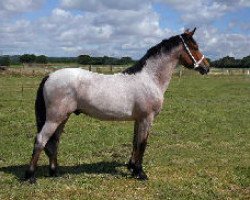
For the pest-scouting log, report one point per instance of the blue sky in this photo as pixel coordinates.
(121, 28)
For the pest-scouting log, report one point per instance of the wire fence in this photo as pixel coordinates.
(21, 91)
(38, 70)
(42, 71)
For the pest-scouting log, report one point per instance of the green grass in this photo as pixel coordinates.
(199, 146)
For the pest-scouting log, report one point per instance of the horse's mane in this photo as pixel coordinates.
(164, 46)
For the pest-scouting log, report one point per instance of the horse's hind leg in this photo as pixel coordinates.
(141, 132)
(41, 140)
(51, 149)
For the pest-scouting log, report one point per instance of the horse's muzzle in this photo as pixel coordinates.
(202, 69)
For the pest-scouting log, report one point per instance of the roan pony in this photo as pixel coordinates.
(136, 94)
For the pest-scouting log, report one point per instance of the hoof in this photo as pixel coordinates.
(30, 176)
(137, 171)
(140, 175)
(32, 180)
(53, 172)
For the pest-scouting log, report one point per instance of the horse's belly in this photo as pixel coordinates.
(108, 114)
(106, 111)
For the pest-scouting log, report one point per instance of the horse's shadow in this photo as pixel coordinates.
(111, 168)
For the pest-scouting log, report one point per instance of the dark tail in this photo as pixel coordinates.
(40, 108)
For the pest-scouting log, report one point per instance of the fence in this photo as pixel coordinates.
(19, 93)
(230, 71)
(37, 71)
(111, 69)
(22, 91)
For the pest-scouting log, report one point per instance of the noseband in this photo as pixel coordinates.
(196, 63)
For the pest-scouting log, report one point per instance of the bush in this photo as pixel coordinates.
(5, 61)
(42, 59)
(27, 58)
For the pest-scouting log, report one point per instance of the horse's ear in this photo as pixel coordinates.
(192, 32)
(187, 31)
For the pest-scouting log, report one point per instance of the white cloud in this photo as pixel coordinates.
(203, 12)
(97, 5)
(244, 3)
(115, 28)
(108, 32)
(20, 5)
(216, 44)
(9, 8)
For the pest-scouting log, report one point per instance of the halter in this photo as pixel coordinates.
(196, 63)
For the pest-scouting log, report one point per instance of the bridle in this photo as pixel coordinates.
(196, 63)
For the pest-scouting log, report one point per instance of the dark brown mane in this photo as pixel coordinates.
(164, 46)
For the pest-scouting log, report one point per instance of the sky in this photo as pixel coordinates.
(122, 28)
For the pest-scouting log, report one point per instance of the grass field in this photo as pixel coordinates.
(199, 146)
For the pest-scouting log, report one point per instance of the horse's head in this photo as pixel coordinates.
(191, 57)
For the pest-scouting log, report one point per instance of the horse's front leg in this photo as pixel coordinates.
(141, 131)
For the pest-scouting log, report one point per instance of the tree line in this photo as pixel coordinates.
(225, 62)
(25, 58)
(231, 62)
(82, 59)
(105, 60)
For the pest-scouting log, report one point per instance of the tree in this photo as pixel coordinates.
(96, 60)
(5, 61)
(107, 60)
(245, 62)
(42, 59)
(227, 62)
(27, 58)
(62, 59)
(84, 59)
(125, 61)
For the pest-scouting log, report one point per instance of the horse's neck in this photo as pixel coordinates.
(160, 68)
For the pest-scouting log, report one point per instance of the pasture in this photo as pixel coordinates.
(199, 146)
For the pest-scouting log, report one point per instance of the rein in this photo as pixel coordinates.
(196, 63)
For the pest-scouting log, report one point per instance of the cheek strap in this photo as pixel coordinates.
(196, 63)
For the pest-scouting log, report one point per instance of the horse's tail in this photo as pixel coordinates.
(40, 108)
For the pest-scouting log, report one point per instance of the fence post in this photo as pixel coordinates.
(90, 67)
(22, 97)
(180, 73)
